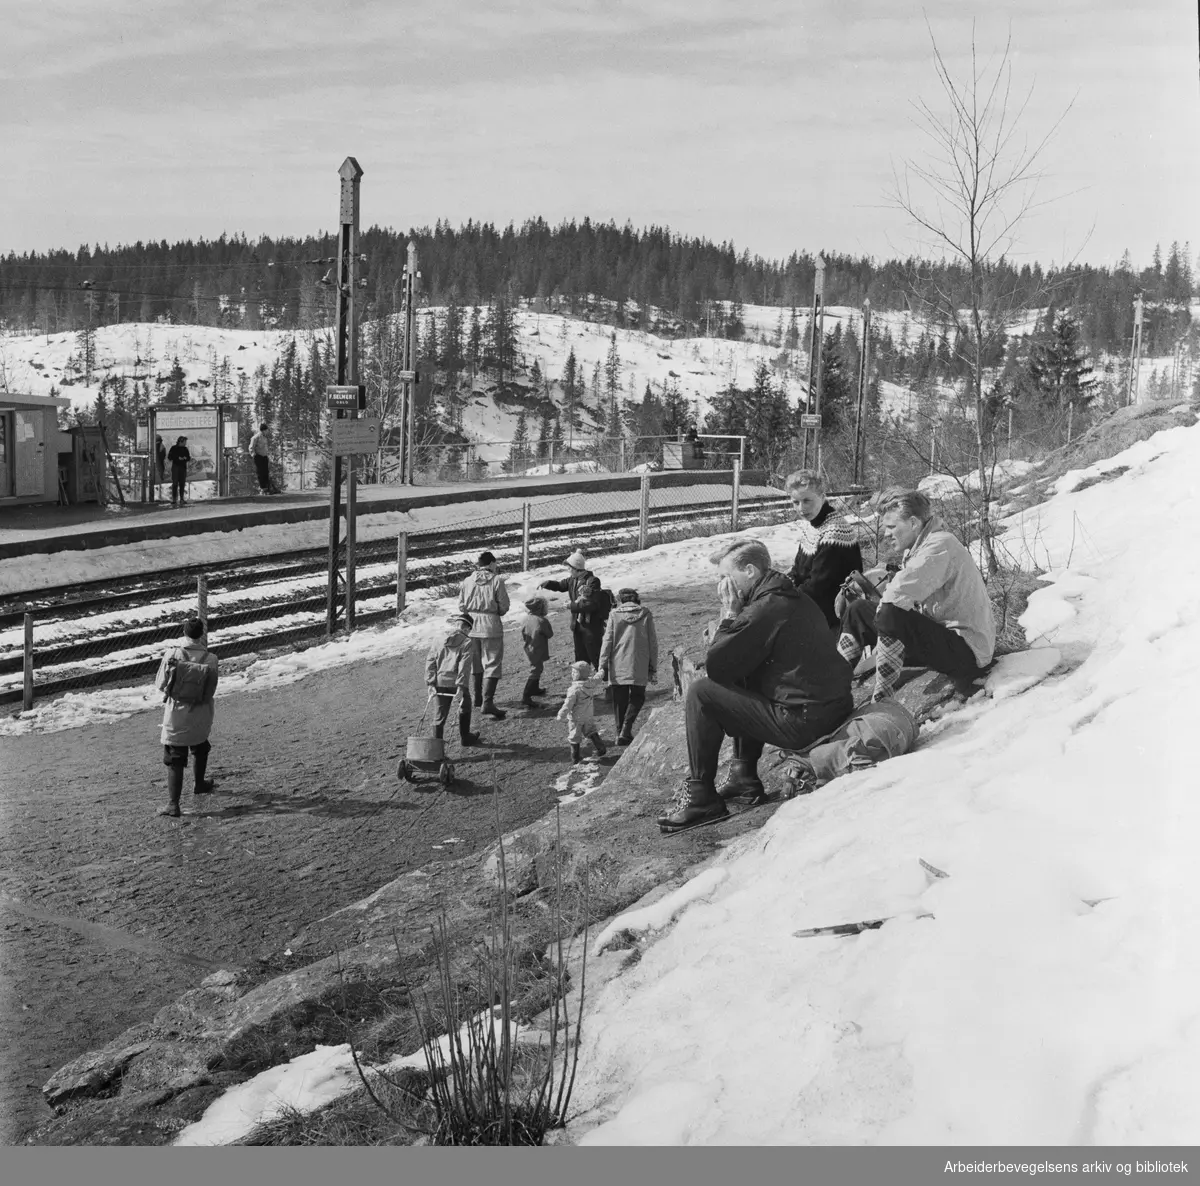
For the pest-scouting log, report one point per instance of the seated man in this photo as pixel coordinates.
(773, 677)
(935, 612)
(828, 551)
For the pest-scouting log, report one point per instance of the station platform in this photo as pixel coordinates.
(39, 530)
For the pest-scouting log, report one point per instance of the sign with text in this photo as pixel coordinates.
(810, 420)
(351, 397)
(199, 425)
(354, 436)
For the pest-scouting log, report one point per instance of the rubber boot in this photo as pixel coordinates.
(531, 690)
(478, 680)
(576, 753)
(742, 781)
(538, 690)
(625, 737)
(439, 730)
(204, 786)
(464, 724)
(489, 700)
(174, 790)
(599, 746)
(698, 803)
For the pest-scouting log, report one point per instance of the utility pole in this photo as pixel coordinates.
(864, 365)
(1135, 353)
(408, 373)
(810, 420)
(346, 337)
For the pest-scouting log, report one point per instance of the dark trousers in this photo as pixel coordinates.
(926, 643)
(178, 483)
(627, 697)
(262, 466)
(445, 697)
(713, 711)
(177, 755)
(587, 646)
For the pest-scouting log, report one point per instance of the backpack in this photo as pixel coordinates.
(184, 679)
(605, 602)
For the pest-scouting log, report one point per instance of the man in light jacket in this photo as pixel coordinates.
(629, 659)
(484, 596)
(260, 449)
(188, 711)
(935, 612)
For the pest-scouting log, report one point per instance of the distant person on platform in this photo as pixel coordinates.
(260, 448)
(935, 612)
(828, 551)
(160, 461)
(773, 677)
(187, 678)
(587, 603)
(179, 458)
(484, 596)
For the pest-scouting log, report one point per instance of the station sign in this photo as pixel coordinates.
(346, 397)
(354, 436)
(810, 419)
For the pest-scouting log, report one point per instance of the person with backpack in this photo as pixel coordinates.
(589, 603)
(187, 678)
(629, 659)
(484, 596)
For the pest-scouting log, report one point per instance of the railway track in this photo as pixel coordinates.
(105, 632)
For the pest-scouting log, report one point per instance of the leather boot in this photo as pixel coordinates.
(489, 700)
(742, 781)
(696, 803)
(204, 786)
(477, 679)
(174, 790)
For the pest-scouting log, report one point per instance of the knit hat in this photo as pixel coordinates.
(536, 605)
(486, 558)
(581, 670)
(464, 620)
(629, 595)
(576, 560)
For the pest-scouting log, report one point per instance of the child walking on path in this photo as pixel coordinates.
(448, 669)
(536, 633)
(578, 712)
(187, 678)
(629, 659)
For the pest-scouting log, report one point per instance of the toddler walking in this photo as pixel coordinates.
(536, 633)
(578, 712)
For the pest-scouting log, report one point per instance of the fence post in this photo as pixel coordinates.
(622, 455)
(525, 517)
(401, 571)
(644, 514)
(551, 466)
(737, 492)
(27, 699)
(202, 599)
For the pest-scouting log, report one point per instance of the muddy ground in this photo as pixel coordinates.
(108, 912)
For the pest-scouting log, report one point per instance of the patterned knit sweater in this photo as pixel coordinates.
(827, 555)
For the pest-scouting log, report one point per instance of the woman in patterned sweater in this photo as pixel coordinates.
(828, 551)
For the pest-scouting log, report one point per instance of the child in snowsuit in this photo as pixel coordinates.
(536, 633)
(629, 659)
(578, 712)
(448, 669)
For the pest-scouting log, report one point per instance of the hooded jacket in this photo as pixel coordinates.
(452, 664)
(578, 710)
(484, 596)
(536, 633)
(781, 647)
(939, 578)
(189, 724)
(630, 647)
(827, 555)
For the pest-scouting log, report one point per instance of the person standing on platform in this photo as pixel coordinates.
(484, 596)
(179, 456)
(260, 451)
(160, 463)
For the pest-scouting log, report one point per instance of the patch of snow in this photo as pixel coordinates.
(659, 914)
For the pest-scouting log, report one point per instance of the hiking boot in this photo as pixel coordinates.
(742, 781)
(696, 802)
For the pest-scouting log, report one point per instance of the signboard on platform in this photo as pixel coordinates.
(354, 436)
(199, 425)
(350, 397)
(810, 419)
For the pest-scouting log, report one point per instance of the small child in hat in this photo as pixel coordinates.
(536, 633)
(448, 670)
(578, 712)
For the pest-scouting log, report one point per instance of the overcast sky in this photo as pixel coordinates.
(772, 123)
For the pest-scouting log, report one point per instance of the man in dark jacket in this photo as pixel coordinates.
(179, 455)
(828, 551)
(773, 676)
(588, 613)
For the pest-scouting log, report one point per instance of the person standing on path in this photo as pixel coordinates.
(577, 710)
(587, 615)
(179, 456)
(448, 671)
(187, 678)
(629, 659)
(260, 451)
(536, 633)
(484, 596)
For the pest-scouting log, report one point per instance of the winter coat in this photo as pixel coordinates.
(189, 724)
(452, 664)
(536, 633)
(179, 456)
(484, 596)
(827, 555)
(578, 710)
(780, 646)
(630, 648)
(584, 593)
(939, 578)
(872, 734)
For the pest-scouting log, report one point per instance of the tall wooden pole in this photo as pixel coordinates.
(1135, 353)
(864, 368)
(816, 345)
(408, 373)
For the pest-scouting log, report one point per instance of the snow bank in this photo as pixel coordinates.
(657, 915)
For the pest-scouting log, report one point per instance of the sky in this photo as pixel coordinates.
(776, 125)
